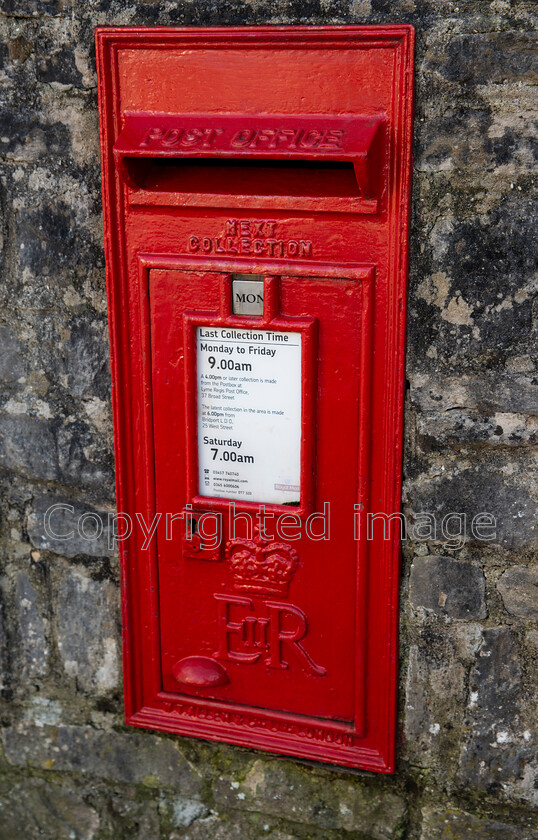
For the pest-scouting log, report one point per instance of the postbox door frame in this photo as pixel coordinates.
(147, 705)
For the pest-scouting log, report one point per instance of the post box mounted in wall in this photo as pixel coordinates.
(256, 189)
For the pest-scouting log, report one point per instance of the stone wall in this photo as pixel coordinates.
(467, 747)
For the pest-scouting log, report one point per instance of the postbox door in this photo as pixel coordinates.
(277, 614)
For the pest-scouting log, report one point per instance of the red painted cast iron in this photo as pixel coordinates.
(282, 153)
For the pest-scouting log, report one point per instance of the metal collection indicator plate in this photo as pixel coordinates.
(247, 294)
(249, 414)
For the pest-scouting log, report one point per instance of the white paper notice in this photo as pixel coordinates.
(249, 414)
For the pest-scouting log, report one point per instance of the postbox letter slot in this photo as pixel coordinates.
(322, 157)
(245, 177)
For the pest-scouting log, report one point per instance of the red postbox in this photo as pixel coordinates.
(256, 187)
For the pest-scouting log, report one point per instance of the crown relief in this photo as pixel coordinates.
(260, 565)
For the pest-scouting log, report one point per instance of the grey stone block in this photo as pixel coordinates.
(71, 521)
(32, 629)
(453, 824)
(509, 142)
(84, 459)
(219, 829)
(486, 392)
(28, 446)
(48, 241)
(448, 587)
(519, 590)
(474, 491)
(285, 790)
(499, 750)
(31, 134)
(182, 812)
(131, 758)
(59, 66)
(12, 366)
(85, 359)
(495, 56)
(88, 631)
(465, 428)
(3, 647)
(435, 695)
(136, 820)
(37, 810)
(477, 261)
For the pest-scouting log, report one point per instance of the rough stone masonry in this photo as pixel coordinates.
(469, 640)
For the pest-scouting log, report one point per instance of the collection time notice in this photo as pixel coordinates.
(249, 414)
